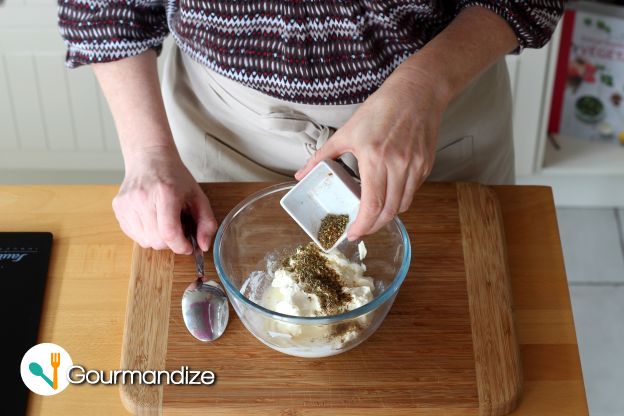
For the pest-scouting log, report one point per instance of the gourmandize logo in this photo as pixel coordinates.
(55, 361)
(47, 369)
(44, 369)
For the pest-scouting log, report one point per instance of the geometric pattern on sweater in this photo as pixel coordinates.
(311, 52)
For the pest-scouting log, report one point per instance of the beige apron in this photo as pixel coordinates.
(225, 131)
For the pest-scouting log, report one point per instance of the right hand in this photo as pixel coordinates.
(156, 189)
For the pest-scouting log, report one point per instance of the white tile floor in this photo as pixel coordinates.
(591, 242)
(593, 247)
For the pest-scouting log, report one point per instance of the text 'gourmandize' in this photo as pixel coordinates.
(78, 375)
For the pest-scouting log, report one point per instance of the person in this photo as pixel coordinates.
(262, 90)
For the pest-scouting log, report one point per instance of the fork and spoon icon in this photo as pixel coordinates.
(55, 361)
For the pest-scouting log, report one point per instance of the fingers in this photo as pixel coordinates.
(152, 218)
(418, 172)
(136, 214)
(413, 182)
(128, 221)
(332, 148)
(374, 177)
(386, 192)
(168, 223)
(206, 223)
(130, 229)
(132, 226)
(397, 177)
(150, 227)
(126, 228)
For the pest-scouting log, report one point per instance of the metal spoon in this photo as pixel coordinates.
(204, 303)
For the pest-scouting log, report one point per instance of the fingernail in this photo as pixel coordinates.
(206, 243)
(352, 237)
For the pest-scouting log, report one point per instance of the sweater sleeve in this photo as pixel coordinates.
(109, 30)
(533, 21)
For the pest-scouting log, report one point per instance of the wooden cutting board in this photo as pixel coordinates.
(447, 347)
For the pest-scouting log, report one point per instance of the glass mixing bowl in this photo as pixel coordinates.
(257, 233)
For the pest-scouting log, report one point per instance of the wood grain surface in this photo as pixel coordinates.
(497, 360)
(88, 286)
(146, 330)
(453, 309)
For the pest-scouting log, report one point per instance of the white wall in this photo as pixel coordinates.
(51, 119)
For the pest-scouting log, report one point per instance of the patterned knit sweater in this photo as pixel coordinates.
(305, 51)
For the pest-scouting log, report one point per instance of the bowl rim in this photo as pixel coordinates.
(307, 320)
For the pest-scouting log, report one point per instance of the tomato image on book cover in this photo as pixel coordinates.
(589, 82)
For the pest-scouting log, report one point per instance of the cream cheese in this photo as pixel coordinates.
(285, 295)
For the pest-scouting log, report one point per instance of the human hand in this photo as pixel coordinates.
(156, 189)
(393, 135)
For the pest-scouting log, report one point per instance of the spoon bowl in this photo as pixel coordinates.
(36, 369)
(205, 310)
(205, 307)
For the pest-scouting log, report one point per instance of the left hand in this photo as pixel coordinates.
(393, 135)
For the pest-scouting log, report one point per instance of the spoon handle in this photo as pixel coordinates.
(190, 230)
